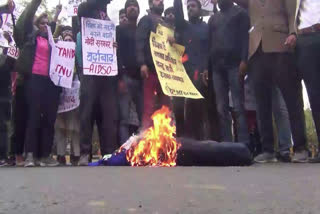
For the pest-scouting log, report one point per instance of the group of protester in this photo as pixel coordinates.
(247, 61)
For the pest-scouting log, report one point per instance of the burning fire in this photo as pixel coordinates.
(158, 146)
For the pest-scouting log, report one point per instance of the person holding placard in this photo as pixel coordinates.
(154, 98)
(193, 34)
(98, 91)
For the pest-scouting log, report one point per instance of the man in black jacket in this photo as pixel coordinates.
(193, 34)
(130, 83)
(98, 96)
(228, 41)
(153, 95)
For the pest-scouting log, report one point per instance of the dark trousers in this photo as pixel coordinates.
(4, 119)
(19, 118)
(198, 121)
(135, 95)
(308, 53)
(178, 110)
(266, 71)
(42, 100)
(98, 98)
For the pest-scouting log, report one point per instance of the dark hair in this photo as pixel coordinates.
(39, 18)
(169, 10)
(122, 11)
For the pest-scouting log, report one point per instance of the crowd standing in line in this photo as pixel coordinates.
(247, 61)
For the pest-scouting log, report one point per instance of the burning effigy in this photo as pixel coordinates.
(157, 146)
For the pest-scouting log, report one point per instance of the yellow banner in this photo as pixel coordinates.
(171, 73)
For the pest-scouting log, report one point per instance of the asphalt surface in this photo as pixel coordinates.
(260, 189)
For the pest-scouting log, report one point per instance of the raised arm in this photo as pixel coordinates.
(179, 16)
(24, 25)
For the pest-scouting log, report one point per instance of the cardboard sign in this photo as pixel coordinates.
(7, 18)
(171, 73)
(62, 62)
(99, 55)
(13, 51)
(69, 98)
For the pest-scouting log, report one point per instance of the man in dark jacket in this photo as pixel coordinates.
(130, 83)
(153, 95)
(5, 96)
(97, 94)
(193, 34)
(228, 41)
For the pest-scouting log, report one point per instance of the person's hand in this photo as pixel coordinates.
(122, 87)
(11, 6)
(291, 41)
(58, 9)
(243, 67)
(205, 77)
(171, 40)
(7, 36)
(214, 1)
(144, 70)
(115, 45)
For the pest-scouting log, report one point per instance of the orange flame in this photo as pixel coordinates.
(158, 146)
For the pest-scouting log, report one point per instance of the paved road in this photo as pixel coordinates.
(267, 189)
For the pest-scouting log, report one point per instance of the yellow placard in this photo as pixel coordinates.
(171, 73)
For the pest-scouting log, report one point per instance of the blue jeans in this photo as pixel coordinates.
(226, 79)
(281, 117)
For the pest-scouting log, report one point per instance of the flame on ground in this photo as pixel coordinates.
(157, 145)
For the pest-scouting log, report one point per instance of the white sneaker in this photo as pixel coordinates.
(301, 157)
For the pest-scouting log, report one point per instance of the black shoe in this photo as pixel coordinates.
(48, 162)
(74, 160)
(62, 160)
(11, 161)
(284, 156)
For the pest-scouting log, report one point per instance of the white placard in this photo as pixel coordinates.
(3, 41)
(62, 62)
(13, 51)
(99, 55)
(73, 7)
(7, 18)
(69, 98)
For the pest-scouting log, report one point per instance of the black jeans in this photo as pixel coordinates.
(98, 98)
(19, 118)
(4, 119)
(308, 54)
(42, 100)
(266, 71)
